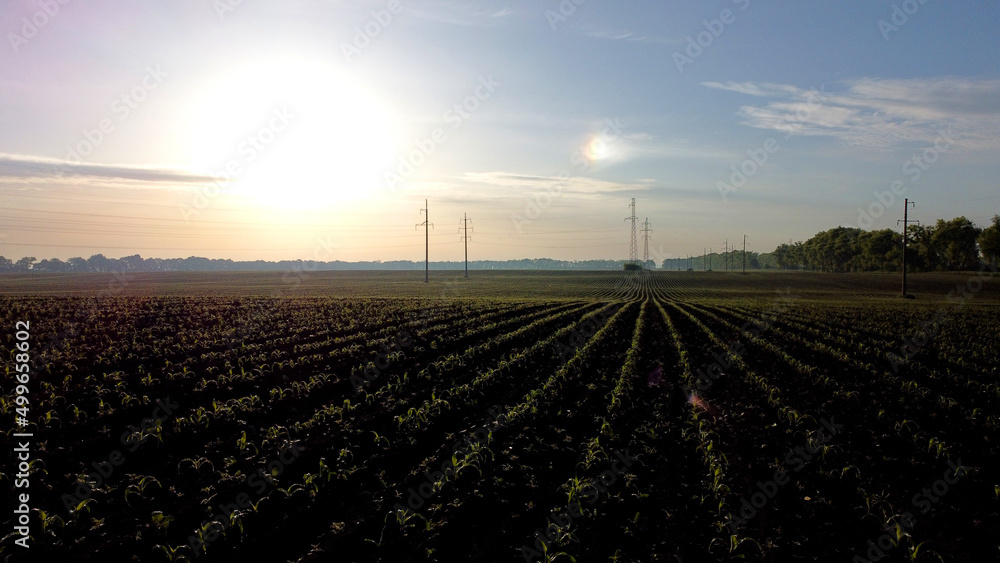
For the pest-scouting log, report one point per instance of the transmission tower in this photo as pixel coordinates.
(427, 242)
(633, 251)
(465, 237)
(645, 243)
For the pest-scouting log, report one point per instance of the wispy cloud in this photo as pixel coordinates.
(881, 113)
(763, 89)
(453, 12)
(620, 35)
(576, 185)
(23, 167)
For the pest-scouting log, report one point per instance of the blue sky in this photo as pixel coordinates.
(311, 129)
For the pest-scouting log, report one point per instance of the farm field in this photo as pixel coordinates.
(510, 416)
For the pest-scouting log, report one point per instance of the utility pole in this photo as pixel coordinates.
(906, 208)
(744, 254)
(645, 243)
(633, 251)
(465, 237)
(427, 242)
(710, 251)
(725, 257)
(704, 258)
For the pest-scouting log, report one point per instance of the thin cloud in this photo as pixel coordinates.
(881, 113)
(578, 185)
(629, 37)
(23, 167)
(610, 34)
(763, 89)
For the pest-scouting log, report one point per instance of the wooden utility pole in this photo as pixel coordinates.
(744, 254)
(465, 237)
(427, 242)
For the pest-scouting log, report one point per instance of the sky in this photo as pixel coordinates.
(253, 129)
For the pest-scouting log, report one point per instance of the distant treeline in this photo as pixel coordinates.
(957, 244)
(719, 261)
(136, 263)
(952, 245)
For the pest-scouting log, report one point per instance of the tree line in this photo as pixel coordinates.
(136, 263)
(957, 244)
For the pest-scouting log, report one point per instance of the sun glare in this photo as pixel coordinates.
(293, 135)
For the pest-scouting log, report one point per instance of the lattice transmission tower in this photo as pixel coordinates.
(633, 251)
(645, 243)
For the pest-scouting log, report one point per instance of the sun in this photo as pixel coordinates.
(294, 134)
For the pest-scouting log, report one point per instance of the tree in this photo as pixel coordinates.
(76, 264)
(881, 250)
(50, 265)
(24, 264)
(782, 256)
(922, 253)
(99, 263)
(132, 263)
(956, 242)
(989, 242)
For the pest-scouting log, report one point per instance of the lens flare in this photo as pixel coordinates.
(702, 404)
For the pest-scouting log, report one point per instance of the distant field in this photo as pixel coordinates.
(510, 416)
(491, 284)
